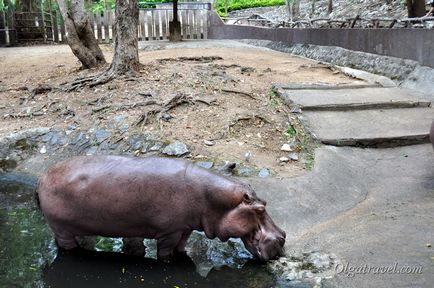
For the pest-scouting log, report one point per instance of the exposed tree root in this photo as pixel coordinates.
(100, 79)
(168, 105)
(248, 94)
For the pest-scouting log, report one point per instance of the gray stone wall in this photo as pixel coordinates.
(413, 44)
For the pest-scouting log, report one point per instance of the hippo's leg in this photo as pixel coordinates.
(65, 241)
(167, 245)
(180, 248)
(86, 242)
(133, 246)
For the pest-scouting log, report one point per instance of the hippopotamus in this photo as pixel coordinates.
(156, 198)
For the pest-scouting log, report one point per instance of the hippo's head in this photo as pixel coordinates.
(250, 221)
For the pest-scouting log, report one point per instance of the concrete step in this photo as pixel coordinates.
(342, 99)
(371, 128)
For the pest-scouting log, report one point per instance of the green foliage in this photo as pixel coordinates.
(98, 5)
(108, 244)
(25, 243)
(244, 4)
(291, 131)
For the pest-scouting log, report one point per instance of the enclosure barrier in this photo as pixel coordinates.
(47, 26)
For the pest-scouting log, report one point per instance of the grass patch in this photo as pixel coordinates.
(234, 5)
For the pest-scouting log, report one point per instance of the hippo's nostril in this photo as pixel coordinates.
(281, 241)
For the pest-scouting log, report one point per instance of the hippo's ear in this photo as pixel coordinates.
(259, 209)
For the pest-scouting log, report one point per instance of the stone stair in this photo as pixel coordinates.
(367, 116)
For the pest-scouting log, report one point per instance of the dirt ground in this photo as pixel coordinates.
(229, 111)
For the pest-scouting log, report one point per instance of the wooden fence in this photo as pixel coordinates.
(153, 24)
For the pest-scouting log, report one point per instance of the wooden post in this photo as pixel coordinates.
(62, 30)
(11, 25)
(2, 29)
(44, 31)
(157, 24)
(55, 27)
(142, 25)
(98, 26)
(149, 22)
(106, 26)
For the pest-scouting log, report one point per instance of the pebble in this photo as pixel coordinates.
(248, 156)
(166, 117)
(176, 149)
(284, 159)
(286, 147)
(124, 128)
(245, 171)
(156, 147)
(293, 156)
(91, 151)
(119, 119)
(46, 137)
(208, 142)
(102, 135)
(43, 150)
(205, 164)
(263, 173)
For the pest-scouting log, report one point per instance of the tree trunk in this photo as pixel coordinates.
(416, 8)
(295, 9)
(330, 6)
(312, 8)
(126, 58)
(79, 34)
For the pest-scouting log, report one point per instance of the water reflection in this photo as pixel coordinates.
(107, 269)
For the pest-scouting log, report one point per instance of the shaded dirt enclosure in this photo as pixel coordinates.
(222, 105)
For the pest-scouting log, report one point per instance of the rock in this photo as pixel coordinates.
(166, 117)
(247, 70)
(208, 142)
(205, 164)
(101, 135)
(263, 173)
(124, 128)
(156, 147)
(320, 261)
(54, 139)
(248, 156)
(176, 149)
(293, 156)
(46, 137)
(145, 147)
(119, 119)
(91, 151)
(62, 141)
(43, 150)
(135, 142)
(77, 138)
(70, 129)
(286, 147)
(245, 171)
(284, 159)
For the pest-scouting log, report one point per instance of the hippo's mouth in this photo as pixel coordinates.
(251, 242)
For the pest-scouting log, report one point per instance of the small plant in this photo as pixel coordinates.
(291, 132)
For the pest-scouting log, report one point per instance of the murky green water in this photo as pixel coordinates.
(29, 258)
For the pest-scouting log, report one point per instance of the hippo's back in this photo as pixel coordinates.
(113, 191)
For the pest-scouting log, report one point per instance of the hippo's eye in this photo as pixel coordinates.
(247, 198)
